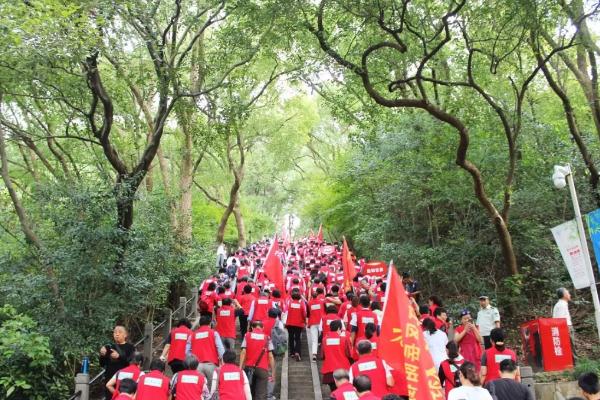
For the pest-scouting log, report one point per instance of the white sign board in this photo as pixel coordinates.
(567, 238)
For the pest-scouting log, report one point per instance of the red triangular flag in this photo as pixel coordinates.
(402, 344)
(320, 234)
(273, 268)
(348, 267)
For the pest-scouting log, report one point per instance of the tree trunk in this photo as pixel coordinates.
(185, 185)
(25, 224)
(239, 222)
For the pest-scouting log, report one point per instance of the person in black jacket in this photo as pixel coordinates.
(115, 356)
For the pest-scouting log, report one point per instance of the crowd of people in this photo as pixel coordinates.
(246, 321)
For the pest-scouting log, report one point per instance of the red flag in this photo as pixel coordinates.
(320, 234)
(348, 264)
(402, 344)
(273, 268)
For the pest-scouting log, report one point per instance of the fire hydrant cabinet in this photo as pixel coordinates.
(547, 344)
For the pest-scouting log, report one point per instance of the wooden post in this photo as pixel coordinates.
(527, 379)
(168, 321)
(194, 303)
(182, 314)
(82, 384)
(148, 341)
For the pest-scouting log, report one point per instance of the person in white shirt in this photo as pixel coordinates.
(437, 341)
(488, 318)
(221, 255)
(471, 385)
(561, 310)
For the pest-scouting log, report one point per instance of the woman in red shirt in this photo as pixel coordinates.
(469, 339)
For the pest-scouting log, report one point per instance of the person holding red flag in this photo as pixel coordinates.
(402, 344)
(273, 267)
(378, 371)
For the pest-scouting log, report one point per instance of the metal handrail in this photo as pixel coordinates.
(139, 342)
(75, 395)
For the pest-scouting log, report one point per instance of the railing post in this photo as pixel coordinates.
(148, 341)
(168, 322)
(82, 384)
(182, 314)
(195, 303)
(527, 379)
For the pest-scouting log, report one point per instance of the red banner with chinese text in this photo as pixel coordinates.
(375, 268)
(402, 344)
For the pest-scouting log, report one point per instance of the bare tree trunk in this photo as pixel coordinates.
(239, 222)
(185, 186)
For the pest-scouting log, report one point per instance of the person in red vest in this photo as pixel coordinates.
(316, 308)
(131, 372)
(153, 385)
(371, 336)
(492, 357)
(448, 372)
(336, 353)
(245, 299)
(229, 381)
(328, 318)
(361, 318)
(375, 368)
(128, 389)
(208, 300)
(362, 383)
(257, 354)
(260, 308)
(349, 309)
(344, 389)
(295, 323)
(272, 321)
(189, 384)
(207, 347)
(177, 345)
(225, 318)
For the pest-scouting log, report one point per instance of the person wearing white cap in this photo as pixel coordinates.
(488, 318)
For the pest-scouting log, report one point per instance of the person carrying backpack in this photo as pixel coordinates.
(449, 369)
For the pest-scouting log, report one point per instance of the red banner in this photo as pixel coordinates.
(375, 268)
(402, 344)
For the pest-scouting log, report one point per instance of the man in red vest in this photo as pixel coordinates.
(336, 352)
(316, 309)
(257, 353)
(345, 390)
(207, 347)
(375, 368)
(131, 372)
(177, 345)
(328, 319)
(229, 381)
(189, 384)
(226, 323)
(260, 308)
(362, 383)
(361, 318)
(153, 385)
(128, 388)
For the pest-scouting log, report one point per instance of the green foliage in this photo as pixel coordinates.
(28, 369)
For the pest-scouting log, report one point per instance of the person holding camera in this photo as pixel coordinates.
(115, 356)
(469, 339)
